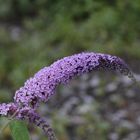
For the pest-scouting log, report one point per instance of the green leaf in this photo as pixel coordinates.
(19, 130)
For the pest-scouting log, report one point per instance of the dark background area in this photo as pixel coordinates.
(95, 106)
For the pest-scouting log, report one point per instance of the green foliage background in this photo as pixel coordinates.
(34, 33)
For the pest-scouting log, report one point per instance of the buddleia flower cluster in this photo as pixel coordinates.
(42, 85)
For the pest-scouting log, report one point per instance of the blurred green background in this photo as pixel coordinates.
(96, 106)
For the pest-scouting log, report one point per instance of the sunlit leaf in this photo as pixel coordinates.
(19, 130)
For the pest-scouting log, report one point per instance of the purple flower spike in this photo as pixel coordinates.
(7, 109)
(42, 85)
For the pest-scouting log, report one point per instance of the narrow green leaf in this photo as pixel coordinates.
(19, 130)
